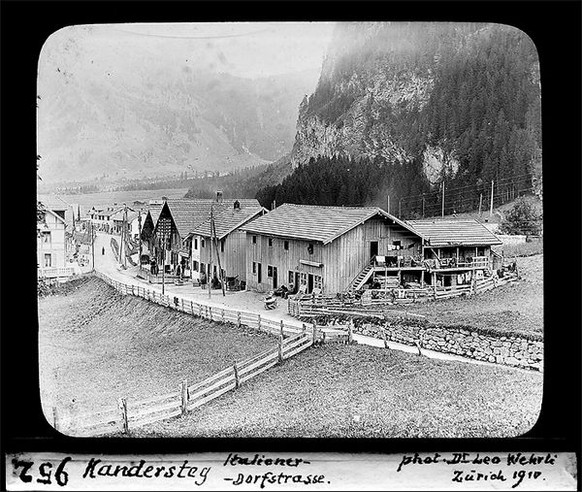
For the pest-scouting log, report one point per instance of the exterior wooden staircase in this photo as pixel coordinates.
(362, 277)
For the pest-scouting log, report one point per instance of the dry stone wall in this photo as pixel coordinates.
(510, 350)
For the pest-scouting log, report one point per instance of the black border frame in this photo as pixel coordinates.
(554, 26)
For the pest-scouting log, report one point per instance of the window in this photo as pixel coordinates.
(254, 267)
(291, 276)
(46, 237)
(269, 271)
(303, 279)
(196, 243)
(48, 260)
(317, 282)
(310, 249)
(202, 243)
(286, 245)
(270, 242)
(254, 239)
(397, 244)
(222, 246)
(195, 266)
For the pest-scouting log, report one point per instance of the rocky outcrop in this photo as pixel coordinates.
(426, 92)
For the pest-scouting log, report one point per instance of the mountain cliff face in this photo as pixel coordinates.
(462, 98)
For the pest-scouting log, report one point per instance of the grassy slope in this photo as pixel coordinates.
(395, 394)
(517, 306)
(96, 346)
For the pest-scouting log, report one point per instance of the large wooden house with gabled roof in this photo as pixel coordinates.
(321, 248)
(336, 249)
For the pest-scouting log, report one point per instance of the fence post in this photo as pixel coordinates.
(132, 290)
(183, 304)
(209, 313)
(384, 337)
(259, 321)
(223, 315)
(314, 334)
(123, 410)
(184, 394)
(191, 308)
(236, 378)
(282, 329)
(238, 318)
(200, 310)
(280, 348)
(351, 331)
(304, 327)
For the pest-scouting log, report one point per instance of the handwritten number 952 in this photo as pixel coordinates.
(45, 471)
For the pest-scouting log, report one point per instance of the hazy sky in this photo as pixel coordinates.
(248, 49)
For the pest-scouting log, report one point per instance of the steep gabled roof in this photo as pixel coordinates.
(189, 213)
(455, 232)
(154, 211)
(315, 223)
(227, 220)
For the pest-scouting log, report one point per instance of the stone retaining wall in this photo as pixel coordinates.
(510, 350)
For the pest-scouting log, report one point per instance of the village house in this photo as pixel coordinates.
(337, 249)
(177, 219)
(230, 245)
(318, 248)
(119, 218)
(101, 219)
(149, 221)
(51, 251)
(456, 250)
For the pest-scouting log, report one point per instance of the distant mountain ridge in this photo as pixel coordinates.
(110, 112)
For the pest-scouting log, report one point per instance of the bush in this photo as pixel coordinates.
(521, 219)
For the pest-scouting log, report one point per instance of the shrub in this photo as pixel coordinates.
(521, 219)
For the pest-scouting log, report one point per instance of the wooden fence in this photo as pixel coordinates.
(213, 313)
(379, 300)
(134, 414)
(131, 415)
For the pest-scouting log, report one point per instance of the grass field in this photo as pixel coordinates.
(361, 391)
(96, 346)
(515, 307)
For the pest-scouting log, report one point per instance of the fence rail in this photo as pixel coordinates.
(379, 300)
(134, 414)
(55, 272)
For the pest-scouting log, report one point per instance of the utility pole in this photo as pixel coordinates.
(491, 203)
(210, 262)
(480, 203)
(163, 248)
(213, 231)
(443, 201)
(400, 208)
(139, 236)
(124, 235)
(388, 204)
(423, 205)
(92, 245)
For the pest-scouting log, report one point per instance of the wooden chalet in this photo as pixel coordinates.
(337, 249)
(147, 229)
(230, 241)
(322, 249)
(456, 250)
(176, 221)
